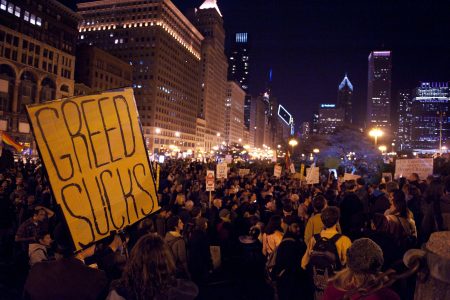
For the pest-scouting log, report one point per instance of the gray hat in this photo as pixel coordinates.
(224, 213)
(364, 256)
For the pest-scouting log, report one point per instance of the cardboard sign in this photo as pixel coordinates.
(421, 166)
(222, 170)
(209, 181)
(302, 171)
(97, 164)
(349, 176)
(277, 171)
(312, 175)
(243, 172)
(292, 168)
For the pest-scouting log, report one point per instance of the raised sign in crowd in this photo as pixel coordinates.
(101, 222)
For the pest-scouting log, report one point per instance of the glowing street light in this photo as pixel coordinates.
(316, 151)
(157, 130)
(293, 143)
(177, 134)
(382, 148)
(218, 134)
(375, 133)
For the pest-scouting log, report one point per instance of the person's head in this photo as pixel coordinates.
(319, 202)
(39, 214)
(224, 214)
(287, 209)
(413, 177)
(189, 205)
(174, 223)
(360, 182)
(330, 216)
(44, 239)
(274, 225)
(30, 199)
(180, 199)
(382, 187)
(201, 224)
(292, 226)
(391, 186)
(217, 203)
(399, 201)
(196, 212)
(147, 225)
(254, 232)
(364, 262)
(149, 269)
(350, 185)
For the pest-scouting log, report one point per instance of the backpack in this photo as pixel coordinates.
(271, 273)
(324, 260)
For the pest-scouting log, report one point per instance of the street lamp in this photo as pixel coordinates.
(382, 148)
(316, 150)
(375, 133)
(293, 143)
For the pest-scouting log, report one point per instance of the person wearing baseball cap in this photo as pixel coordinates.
(364, 262)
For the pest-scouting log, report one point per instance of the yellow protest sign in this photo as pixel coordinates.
(97, 164)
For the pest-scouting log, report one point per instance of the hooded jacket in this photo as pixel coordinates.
(37, 253)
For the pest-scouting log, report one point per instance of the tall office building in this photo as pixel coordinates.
(164, 49)
(305, 130)
(403, 139)
(315, 123)
(208, 20)
(344, 100)
(234, 113)
(430, 116)
(379, 90)
(37, 59)
(239, 60)
(330, 118)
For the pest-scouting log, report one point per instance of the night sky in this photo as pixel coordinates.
(311, 44)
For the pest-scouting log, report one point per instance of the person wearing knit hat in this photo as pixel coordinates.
(364, 261)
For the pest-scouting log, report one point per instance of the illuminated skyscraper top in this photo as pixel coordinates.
(379, 90)
(210, 4)
(344, 100)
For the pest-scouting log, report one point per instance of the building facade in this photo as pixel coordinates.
(403, 140)
(330, 118)
(234, 114)
(208, 20)
(37, 59)
(379, 91)
(430, 117)
(315, 123)
(164, 49)
(239, 60)
(305, 130)
(344, 101)
(100, 70)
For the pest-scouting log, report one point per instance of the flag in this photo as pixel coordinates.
(8, 140)
(287, 160)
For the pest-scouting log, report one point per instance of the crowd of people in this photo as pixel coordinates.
(255, 236)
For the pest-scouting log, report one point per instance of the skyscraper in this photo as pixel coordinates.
(208, 20)
(239, 60)
(344, 100)
(164, 49)
(234, 113)
(404, 120)
(239, 68)
(379, 90)
(430, 116)
(330, 118)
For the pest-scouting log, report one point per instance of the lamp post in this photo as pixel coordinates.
(382, 148)
(375, 133)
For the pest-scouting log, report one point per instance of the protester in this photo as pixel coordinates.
(272, 236)
(150, 274)
(364, 261)
(177, 245)
(39, 251)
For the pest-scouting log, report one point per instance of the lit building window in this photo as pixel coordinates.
(10, 8)
(33, 19)
(17, 12)
(3, 5)
(38, 21)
